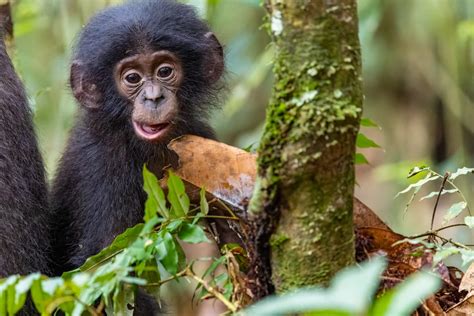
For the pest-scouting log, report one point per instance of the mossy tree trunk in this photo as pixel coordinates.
(302, 205)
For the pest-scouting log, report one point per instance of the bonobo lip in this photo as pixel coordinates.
(150, 132)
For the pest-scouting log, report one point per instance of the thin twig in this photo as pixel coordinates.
(216, 217)
(450, 226)
(227, 208)
(437, 199)
(451, 183)
(213, 291)
(171, 278)
(436, 235)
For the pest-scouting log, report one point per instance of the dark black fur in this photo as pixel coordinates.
(24, 235)
(97, 192)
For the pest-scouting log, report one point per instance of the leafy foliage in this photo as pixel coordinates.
(363, 141)
(352, 293)
(109, 280)
(149, 255)
(443, 247)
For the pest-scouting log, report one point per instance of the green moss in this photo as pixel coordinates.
(278, 240)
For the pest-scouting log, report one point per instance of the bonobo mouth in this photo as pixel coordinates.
(150, 132)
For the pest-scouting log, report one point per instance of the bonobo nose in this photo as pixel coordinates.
(153, 93)
(153, 104)
(152, 96)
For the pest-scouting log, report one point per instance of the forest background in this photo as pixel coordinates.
(418, 71)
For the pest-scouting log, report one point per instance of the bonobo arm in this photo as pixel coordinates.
(24, 218)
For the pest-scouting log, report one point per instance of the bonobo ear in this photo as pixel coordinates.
(215, 58)
(83, 89)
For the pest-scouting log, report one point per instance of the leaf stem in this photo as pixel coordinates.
(451, 183)
(213, 291)
(445, 178)
(449, 226)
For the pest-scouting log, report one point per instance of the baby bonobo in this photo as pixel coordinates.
(144, 73)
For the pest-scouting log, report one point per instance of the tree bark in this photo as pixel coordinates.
(302, 204)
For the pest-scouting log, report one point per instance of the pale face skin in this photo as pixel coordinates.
(150, 81)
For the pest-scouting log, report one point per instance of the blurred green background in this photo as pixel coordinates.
(418, 59)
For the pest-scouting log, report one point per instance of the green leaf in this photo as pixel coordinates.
(436, 193)
(250, 148)
(467, 256)
(214, 265)
(123, 297)
(137, 251)
(363, 141)
(150, 225)
(350, 292)
(78, 310)
(3, 297)
(407, 296)
(177, 196)
(360, 159)
(366, 122)
(197, 218)
(228, 289)
(51, 285)
(80, 279)
(10, 291)
(418, 184)
(216, 262)
(221, 279)
(469, 221)
(460, 172)
(443, 253)
(416, 241)
(22, 288)
(174, 225)
(169, 253)
(204, 206)
(152, 275)
(151, 209)
(156, 201)
(416, 170)
(454, 211)
(192, 234)
(121, 242)
(133, 280)
(328, 313)
(38, 295)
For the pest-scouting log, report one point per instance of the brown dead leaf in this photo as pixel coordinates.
(229, 173)
(467, 282)
(431, 307)
(225, 171)
(465, 307)
(401, 255)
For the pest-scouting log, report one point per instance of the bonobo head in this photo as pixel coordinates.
(147, 67)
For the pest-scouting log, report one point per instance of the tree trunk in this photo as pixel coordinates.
(302, 204)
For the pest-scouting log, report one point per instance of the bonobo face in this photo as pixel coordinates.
(141, 90)
(150, 81)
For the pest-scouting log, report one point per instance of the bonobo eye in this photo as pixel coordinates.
(133, 78)
(165, 72)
